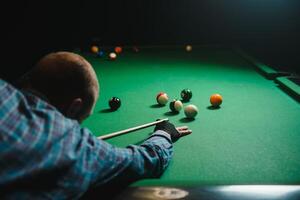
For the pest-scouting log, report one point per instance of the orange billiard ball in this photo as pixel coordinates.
(118, 50)
(94, 49)
(216, 100)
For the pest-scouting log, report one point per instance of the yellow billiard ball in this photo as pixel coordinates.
(216, 100)
(94, 49)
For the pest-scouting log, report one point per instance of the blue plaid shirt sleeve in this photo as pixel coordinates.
(45, 155)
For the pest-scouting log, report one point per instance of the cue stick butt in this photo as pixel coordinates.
(114, 134)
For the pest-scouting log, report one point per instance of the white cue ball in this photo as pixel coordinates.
(162, 98)
(112, 56)
(188, 48)
(190, 111)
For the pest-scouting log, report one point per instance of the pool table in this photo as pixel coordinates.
(252, 139)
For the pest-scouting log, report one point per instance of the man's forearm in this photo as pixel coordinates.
(154, 155)
(147, 160)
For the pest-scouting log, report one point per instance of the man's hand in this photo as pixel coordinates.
(174, 132)
(184, 130)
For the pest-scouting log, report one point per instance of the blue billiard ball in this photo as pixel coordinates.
(100, 54)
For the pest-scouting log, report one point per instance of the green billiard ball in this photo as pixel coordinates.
(186, 95)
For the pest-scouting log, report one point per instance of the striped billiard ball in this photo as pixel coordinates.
(175, 106)
(162, 98)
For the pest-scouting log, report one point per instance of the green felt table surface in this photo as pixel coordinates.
(254, 138)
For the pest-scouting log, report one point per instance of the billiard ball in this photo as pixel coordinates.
(162, 98)
(186, 95)
(114, 103)
(135, 49)
(188, 48)
(94, 49)
(175, 106)
(216, 100)
(112, 56)
(190, 111)
(118, 50)
(100, 54)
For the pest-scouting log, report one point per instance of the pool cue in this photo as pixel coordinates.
(114, 134)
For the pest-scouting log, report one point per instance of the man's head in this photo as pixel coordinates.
(69, 83)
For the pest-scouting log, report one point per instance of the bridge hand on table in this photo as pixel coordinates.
(184, 130)
(174, 132)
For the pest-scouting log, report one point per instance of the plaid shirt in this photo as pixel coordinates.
(44, 155)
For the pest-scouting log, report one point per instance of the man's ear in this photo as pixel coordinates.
(74, 108)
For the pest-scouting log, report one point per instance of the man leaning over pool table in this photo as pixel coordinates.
(45, 154)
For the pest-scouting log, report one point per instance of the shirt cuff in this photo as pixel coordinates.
(163, 134)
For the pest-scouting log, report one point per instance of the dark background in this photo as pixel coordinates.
(267, 29)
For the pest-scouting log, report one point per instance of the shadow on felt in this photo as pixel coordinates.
(213, 107)
(156, 106)
(186, 120)
(170, 113)
(106, 110)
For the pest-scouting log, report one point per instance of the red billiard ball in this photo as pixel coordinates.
(118, 50)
